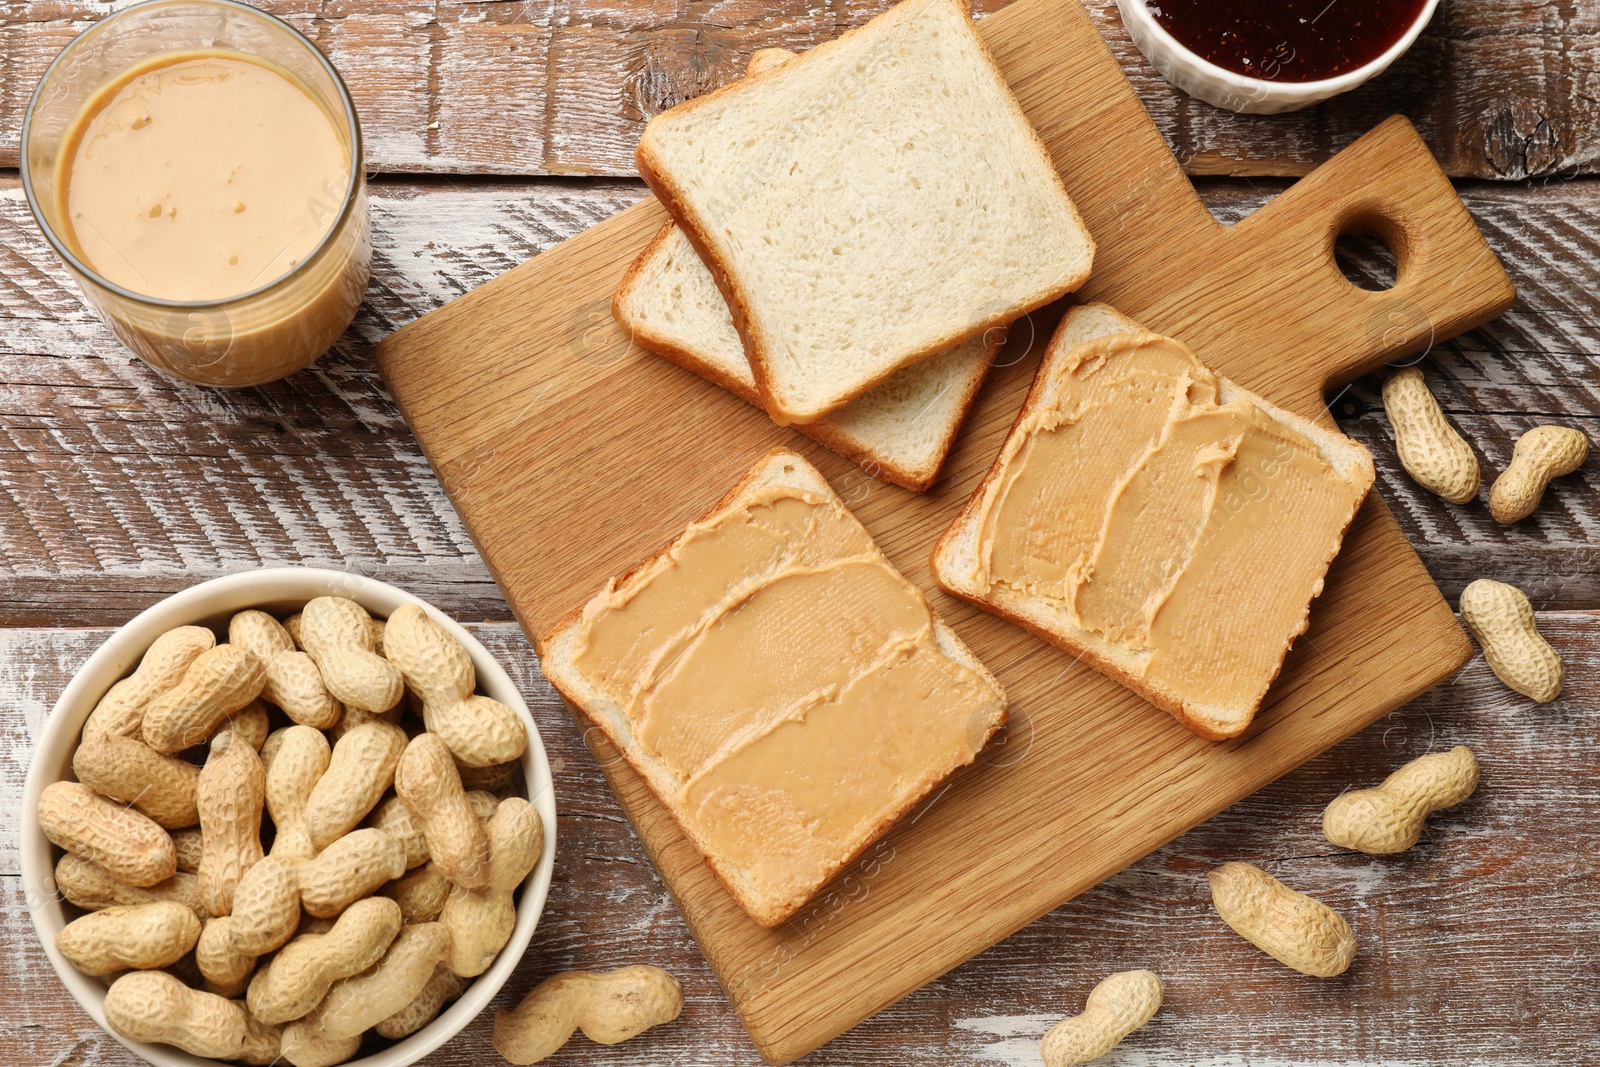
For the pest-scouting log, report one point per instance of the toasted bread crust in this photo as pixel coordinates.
(767, 913)
(672, 199)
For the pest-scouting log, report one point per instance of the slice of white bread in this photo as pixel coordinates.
(899, 430)
(890, 758)
(956, 556)
(867, 204)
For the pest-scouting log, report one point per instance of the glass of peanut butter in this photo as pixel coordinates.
(197, 166)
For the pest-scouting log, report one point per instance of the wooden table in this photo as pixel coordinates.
(118, 486)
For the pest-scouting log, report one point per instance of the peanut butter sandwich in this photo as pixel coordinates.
(1157, 520)
(778, 684)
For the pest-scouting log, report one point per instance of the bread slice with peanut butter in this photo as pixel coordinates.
(783, 690)
(1166, 525)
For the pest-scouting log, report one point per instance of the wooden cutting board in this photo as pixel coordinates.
(572, 455)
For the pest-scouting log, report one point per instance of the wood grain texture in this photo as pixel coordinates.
(111, 476)
(1475, 945)
(1500, 89)
(573, 455)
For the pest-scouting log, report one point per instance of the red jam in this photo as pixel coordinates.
(1288, 40)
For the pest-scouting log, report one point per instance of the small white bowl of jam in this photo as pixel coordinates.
(1267, 56)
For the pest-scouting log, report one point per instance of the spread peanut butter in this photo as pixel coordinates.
(791, 681)
(1188, 532)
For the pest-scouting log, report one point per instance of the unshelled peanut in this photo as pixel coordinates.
(442, 987)
(261, 1041)
(225, 969)
(354, 866)
(250, 723)
(266, 907)
(231, 794)
(480, 920)
(1543, 453)
(1430, 449)
(427, 783)
(190, 844)
(299, 976)
(358, 1003)
(395, 819)
(154, 1006)
(360, 771)
(308, 1047)
(127, 845)
(293, 681)
(1388, 818)
(142, 937)
(128, 770)
(86, 885)
(478, 730)
(220, 681)
(1501, 618)
(421, 893)
(298, 764)
(1292, 928)
(121, 711)
(337, 634)
(608, 1006)
(1116, 1007)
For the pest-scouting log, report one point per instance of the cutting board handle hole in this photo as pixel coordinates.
(1370, 251)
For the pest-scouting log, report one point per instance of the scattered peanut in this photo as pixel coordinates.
(143, 936)
(1543, 453)
(426, 781)
(155, 1006)
(1291, 927)
(353, 866)
(480, 920)
(442, 987)
(299, 976)
(128, 846)
(479, 731)
(88, 886)
(337, 634)
(1501, 618)
(420, 893)
(220, 681)
(293, 681)
(357, 1004)
(1118, 1006)
(128, 770)
(301, 758)
(609, 1007)
(1430, 448)
(120, 712)
(361, 769)
(1388, 818)
(232, 788)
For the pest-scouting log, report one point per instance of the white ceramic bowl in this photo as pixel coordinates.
(1256, 96)
(278, 589)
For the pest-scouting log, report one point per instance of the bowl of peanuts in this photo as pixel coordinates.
(287, 816)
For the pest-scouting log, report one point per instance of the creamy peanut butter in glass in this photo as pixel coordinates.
(197, 166)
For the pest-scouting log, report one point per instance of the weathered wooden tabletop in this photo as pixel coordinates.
(118, 486)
